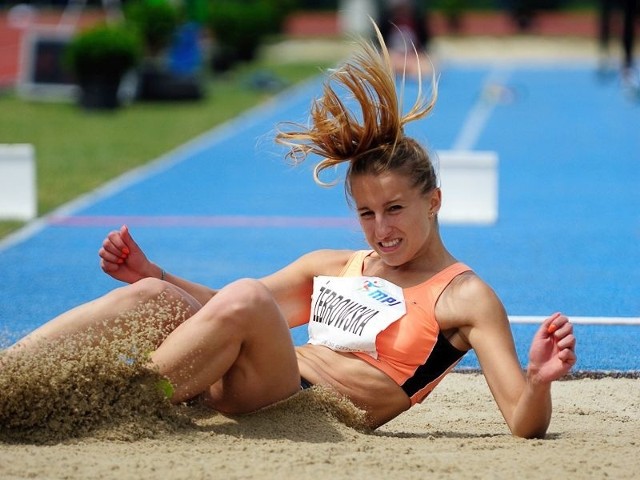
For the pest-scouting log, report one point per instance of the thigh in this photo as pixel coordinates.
(265, 370)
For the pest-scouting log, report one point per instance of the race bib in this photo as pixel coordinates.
(347, 313)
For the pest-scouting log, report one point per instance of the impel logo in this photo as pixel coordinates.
(374, 289)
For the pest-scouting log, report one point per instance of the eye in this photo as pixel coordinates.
(395, 208)
(366, 214)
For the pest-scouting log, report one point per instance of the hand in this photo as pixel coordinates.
(122, 258)
(552, 352)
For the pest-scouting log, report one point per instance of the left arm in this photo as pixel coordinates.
(524, 398)
(551, 356)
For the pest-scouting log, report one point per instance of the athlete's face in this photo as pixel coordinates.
(397, 219)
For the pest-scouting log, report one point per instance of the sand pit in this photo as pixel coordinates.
(105, 415)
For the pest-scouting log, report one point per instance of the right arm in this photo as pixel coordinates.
(124, 260)
(292, 286)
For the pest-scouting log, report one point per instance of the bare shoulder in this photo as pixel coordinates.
(469, 286)
(309, 265)
(469, 301)
(325, 262)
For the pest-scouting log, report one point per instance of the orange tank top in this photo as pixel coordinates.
(412, 350)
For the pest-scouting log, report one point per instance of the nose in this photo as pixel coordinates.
(382, 227)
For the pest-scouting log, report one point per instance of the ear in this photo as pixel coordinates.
(435, 201)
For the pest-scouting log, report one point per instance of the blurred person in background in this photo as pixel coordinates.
(629, 11)
(404, 27)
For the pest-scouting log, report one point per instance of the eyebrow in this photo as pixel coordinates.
(397, 199)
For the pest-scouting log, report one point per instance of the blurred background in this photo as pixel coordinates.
(202, 62)
(187, 34)
(198, 63)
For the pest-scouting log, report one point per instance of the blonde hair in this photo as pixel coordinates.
(375, 144)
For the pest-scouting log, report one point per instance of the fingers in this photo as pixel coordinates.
(568, 357)
(108, 267)
(126, 236)
(129, 243)
(561, 330)
(557, 325)
(550, 325)
(552, 352)
(566, 342)
(114, 250)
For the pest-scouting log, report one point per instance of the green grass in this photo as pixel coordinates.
(76, 150)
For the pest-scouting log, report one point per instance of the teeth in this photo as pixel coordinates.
(392, 243)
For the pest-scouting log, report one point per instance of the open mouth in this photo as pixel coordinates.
(390, 245)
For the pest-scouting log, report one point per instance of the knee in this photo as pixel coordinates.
(144, 289)
(247, 296)
(251, 289)
(152, 290)
(245, 300)
(156, 300)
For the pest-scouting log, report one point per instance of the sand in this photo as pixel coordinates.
(456, 433)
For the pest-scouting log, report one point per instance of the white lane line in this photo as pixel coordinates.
(479, 114)
(580, 320)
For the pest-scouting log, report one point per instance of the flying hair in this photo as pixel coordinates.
(336, 134)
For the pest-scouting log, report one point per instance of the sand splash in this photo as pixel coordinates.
(83, 383)
(98, 386)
